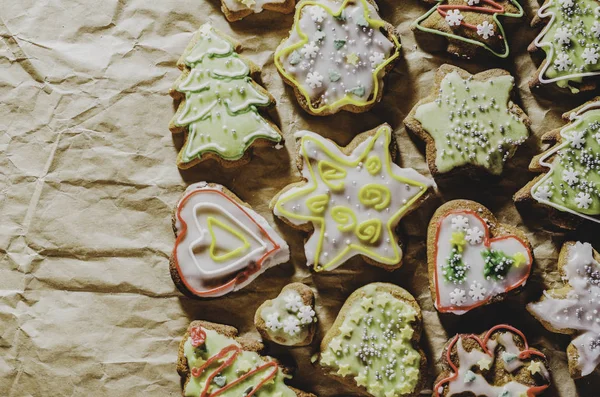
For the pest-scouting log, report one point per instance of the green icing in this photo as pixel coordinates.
(470, 123)
(565, 40)
(496, 264)
(374, 345)
(455, 270)
(573, 181)
(221, 102)
(245, 362)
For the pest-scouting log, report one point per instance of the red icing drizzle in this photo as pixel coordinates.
(487, 243)
(228, 355)
(239, 278)
(531, 392)
(496, 9)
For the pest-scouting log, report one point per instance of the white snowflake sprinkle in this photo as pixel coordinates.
(570, 176)
(583, 200)
(317, 13)
(597, 136)
(485, 30)
(293, 302)
(310, 50)
(544, 192)
(454, 17)
(596, 29)
(474, 236)
(306, 314)
(477, 291)
(457, 297)
(291, 325)
(577, 139)
(566, 3)
(562, 62)
(460, 223)
(590, 56)
(273, 322)
(314, 79)
(472, 2)
(562, 36)
(377, 59)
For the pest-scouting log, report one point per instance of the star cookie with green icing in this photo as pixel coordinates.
(219, 104)
(289, 319)
(213, 361)
(570, 41)
(235, 10)
(337, 54)
(568, 190)
(352, 198)
(469, 122)
(373, 345)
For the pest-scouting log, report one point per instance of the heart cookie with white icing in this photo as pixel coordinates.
(498, 363)
(373, 345)
(473, 260)
(222, 244)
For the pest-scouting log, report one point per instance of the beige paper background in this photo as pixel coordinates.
(88, 182)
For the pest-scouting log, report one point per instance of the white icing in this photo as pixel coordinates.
(370, 45)
(338, 244)
(197, 269)
(480, 289)
(255, 5)
(579, 309)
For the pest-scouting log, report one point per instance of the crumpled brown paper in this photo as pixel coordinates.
(88, 183)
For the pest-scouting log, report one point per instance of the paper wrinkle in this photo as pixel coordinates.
(88, 182)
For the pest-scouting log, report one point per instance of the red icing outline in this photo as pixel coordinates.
(487, 243)
(531, 392)
(198, 371)
(496, 9)
(241, 276)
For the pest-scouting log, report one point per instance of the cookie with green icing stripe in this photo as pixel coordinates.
(373, 345)
(220, 107)
(235, 10)
(213, 361)
(567, 192)
(290, 318)
(470, 124)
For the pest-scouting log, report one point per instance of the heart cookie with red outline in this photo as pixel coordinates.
(473, 260)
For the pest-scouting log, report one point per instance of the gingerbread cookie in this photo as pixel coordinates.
(469, 123)
(473, 260)
(571, 43)
(289, 319)
(214, 361)
(569, 188)
(498, 363)
(470, 25)
(352, 198)
(235, 10)
(222, 244)
(571, 307)
(220, 103)
(336, 55)
(373, 345)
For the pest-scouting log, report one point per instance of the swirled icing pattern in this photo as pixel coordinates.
(354, 201)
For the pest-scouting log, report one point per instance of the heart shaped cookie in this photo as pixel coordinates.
(473, 260)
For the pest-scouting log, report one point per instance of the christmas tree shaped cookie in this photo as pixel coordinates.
(213, 361)
(219, 108)
(469, 123)
(498, 363)
(222, 244)
(470, 25)
(569, 189)
(336, 55)
(373, 345)
(352, 197)
(572, 306)
(235, 10)
(571, 43)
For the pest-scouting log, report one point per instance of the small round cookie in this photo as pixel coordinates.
(336, 55)
(373, 345)
(290, 318)
(497, 363)
(571, 307)
(567, 192)
(473, 260)
(236, 10)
